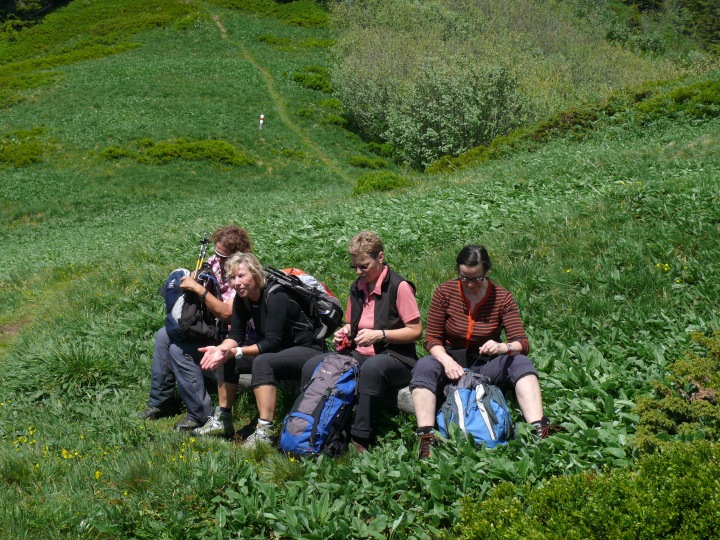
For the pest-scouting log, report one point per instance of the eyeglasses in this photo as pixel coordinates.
(466, 279)
(361, 267)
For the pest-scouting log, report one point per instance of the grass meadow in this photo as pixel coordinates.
(608, 239)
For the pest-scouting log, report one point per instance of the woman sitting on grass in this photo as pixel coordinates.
(384, 326)
(466, 318)
(285, 344)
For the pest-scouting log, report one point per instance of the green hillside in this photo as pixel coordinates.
(129, 129)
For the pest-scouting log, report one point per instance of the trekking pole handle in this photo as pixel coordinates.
(201, 255)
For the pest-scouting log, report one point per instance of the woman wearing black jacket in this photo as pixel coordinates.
(284, 344)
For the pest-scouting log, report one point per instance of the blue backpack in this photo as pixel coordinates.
(478, 408)
(188, 319)
(319, 421)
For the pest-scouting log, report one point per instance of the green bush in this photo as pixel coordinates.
(365, 162)
(695, 101)
(314, 78)
(282, 43)
(671, 495)
(379, 181)
(686, 407)
(303, 13)
(452, 109)
(21, 148)
(697, 18)
(149, 151)
(113, 152)
(556, 54)
(385, 150)
(335, 120)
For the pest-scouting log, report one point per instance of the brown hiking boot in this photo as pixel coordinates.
(427, 441)
(544, 430)
(360, 445)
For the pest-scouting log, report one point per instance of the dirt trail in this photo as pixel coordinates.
(280, 107)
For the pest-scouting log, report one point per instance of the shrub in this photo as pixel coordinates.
(687, 406)
(331, 103)
(314, 78)
(335, 120)
(380, 181)
(672, 495)
(282, 43)
(365, 162)
(207, 150)
(451, 109)
(381, 149)
(21, 148)
(149, 151)
(303, 13)
(418, 74)
(306, 112)
(695, 101)
(112, 153)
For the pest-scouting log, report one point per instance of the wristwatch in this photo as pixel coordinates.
(509, 347)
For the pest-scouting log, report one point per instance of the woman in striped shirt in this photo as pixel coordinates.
(466, 319)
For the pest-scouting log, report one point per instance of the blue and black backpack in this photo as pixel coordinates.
(478, 408)
(188, 319)
(319, 421)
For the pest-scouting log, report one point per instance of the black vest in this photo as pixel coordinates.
(386, 316)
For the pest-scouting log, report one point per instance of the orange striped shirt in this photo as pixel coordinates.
(451, 324)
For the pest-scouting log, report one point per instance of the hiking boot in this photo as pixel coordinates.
(360, 445)
(262, 434)
(427, 441)
(221, 423)
(186, 424)
(543, 429)
(152, 413)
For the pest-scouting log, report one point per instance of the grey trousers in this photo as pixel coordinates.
(178, 363)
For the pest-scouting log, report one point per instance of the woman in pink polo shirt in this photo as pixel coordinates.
(384, 324)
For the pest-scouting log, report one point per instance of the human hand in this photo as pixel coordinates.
(367, 337)
(340, 336)
(189, 284)
(491, 347)
(453, 370)
(214, 357)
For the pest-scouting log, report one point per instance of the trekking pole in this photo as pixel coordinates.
(201, 255)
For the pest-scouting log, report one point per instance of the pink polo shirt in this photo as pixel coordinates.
(406, 305)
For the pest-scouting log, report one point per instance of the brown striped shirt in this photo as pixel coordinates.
(451, 324)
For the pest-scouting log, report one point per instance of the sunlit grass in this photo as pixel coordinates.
(608, 244)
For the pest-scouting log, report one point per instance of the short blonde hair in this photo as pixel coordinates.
(365, 243)
(249, 261)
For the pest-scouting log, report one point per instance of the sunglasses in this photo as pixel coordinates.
(220, 255)
(361, 267)
(466, 279)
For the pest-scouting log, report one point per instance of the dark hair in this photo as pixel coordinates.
(474, 256)
(235, 239)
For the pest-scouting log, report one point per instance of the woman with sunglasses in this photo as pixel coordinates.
(466, 319)
(384, 326)
(177, 362)
(285, 341)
